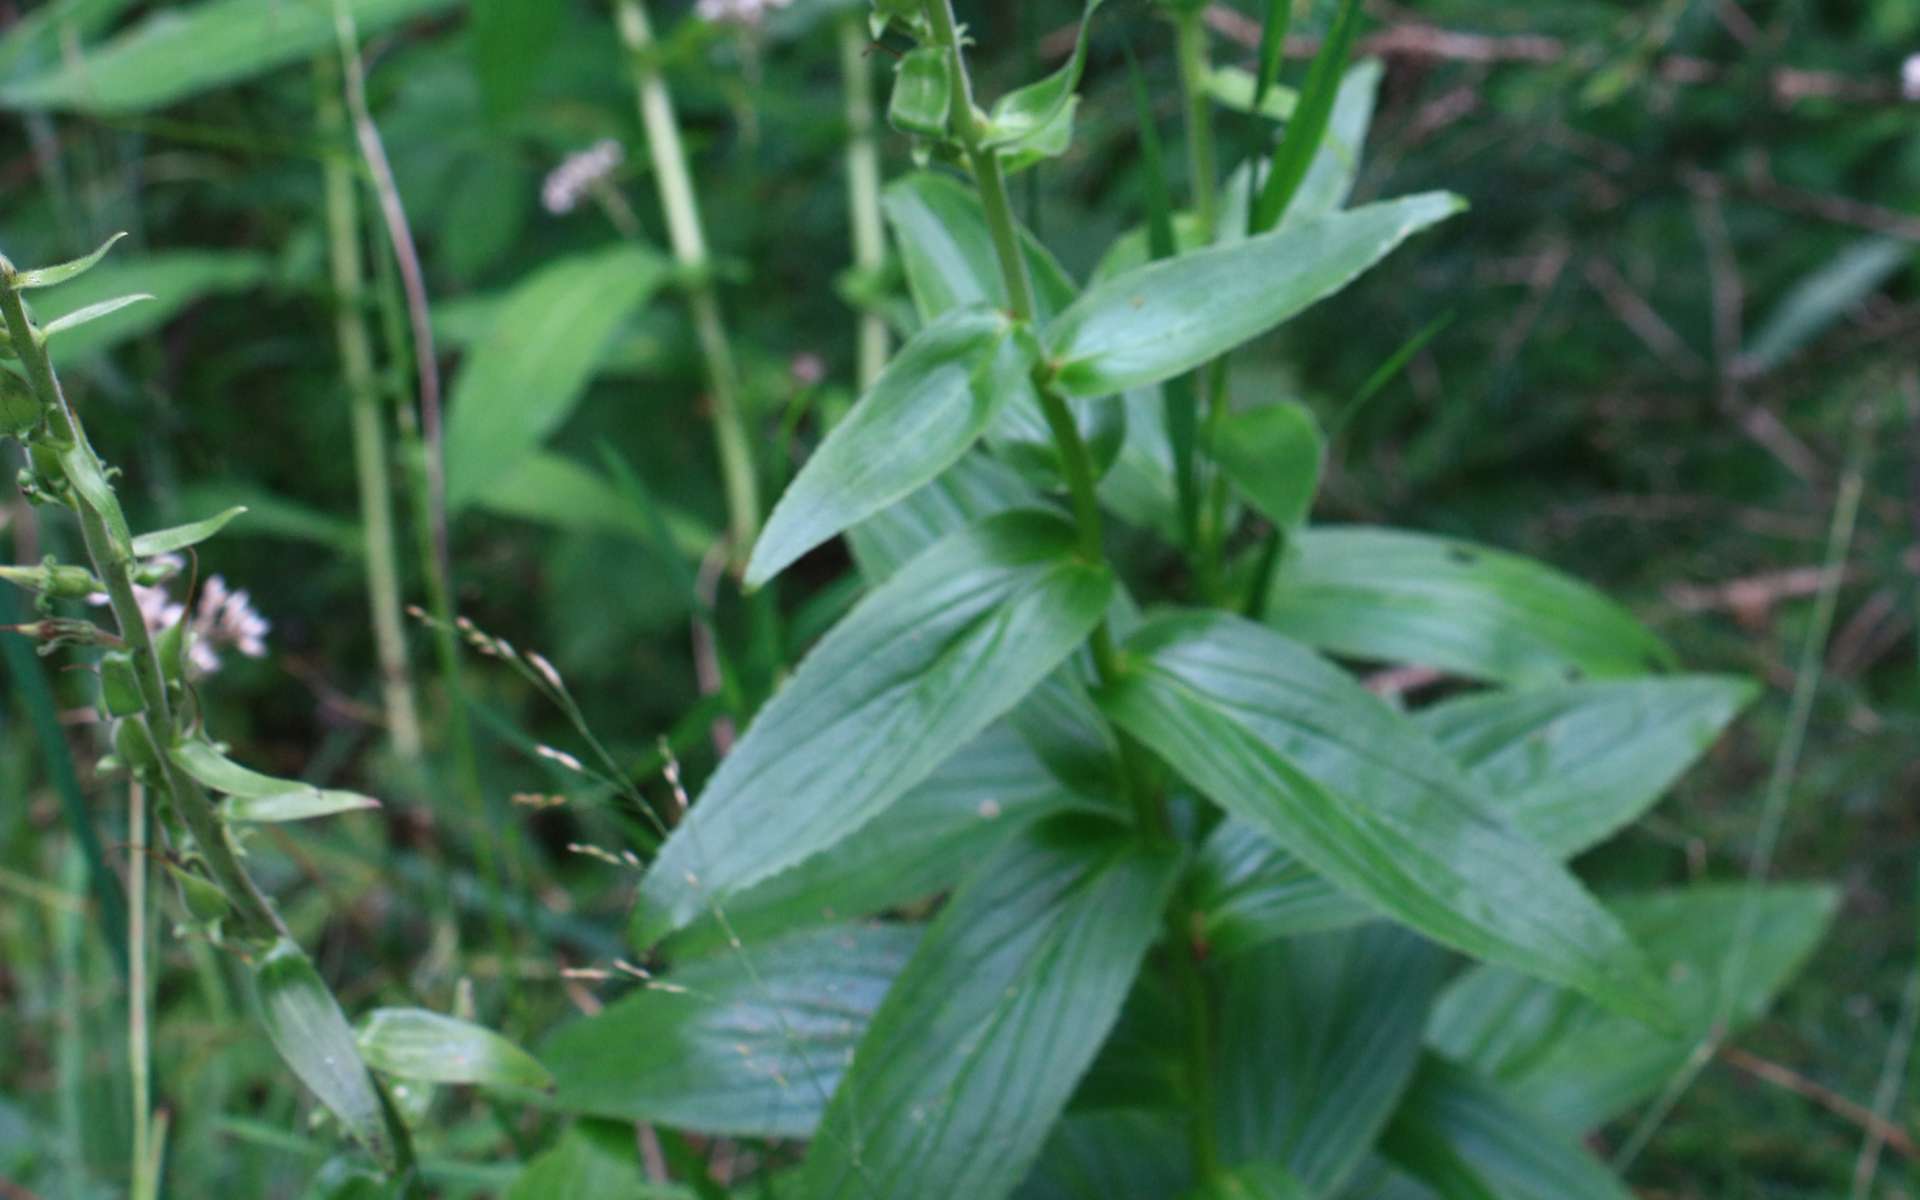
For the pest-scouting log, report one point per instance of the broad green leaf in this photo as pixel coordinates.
(183, 50)
(976, 488)
(1391, 596)
(301, 805)
(1566, 765)
(313, 1037)
(526, 376)
(930, 405)
(555, 490)
(917, 670)
(1284, 740)
(1031, 118)
(1465, 1138)
(594, 1160)
(48, 276)
(1253, 1181)
(1274, 454)
(1572, 764)
(1307, 130)
(1169, 317)
(1576, 1065)
(1117, 1154)
(91, 313)
(922, 93)
(175, 279)
(747, 1043)
(947, 251)
(509, 40)
(992, 788)
(179, 537)
(1318, 1038)
(1813, 304)
(1234, 88)
(429, 1047)
(978, 1045)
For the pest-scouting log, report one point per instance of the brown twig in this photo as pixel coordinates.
(1641, 318)
(1893, 1136)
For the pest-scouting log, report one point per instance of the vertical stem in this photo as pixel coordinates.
(689, 243)
(1190, 40)
(363, 410)
(139, 1053)
(863, 190)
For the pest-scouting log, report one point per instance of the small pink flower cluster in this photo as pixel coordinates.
(738, 12)
(223, 618)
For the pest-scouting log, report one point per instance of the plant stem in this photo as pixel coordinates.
(139, 1053)
(1190, 41)
(863, 191)
(363, 410)
(689, 243)
(1203, 1135)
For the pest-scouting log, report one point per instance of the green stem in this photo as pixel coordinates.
(1190, 40)
(684, 232)
(370, 459)
(863, 190)
(1191, 977)
(139, 1052)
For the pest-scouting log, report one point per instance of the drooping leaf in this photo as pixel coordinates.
(1826, 295)
(1287, 742)
(525, 377)
(1318, 1038)
(1274, 454)
(988, 791)
(594, 1160)
(1465, 1138)
(1577, 1065)
(930, 405)
(509, 41)
(430, 1047)
(1115, 1154)
(977, 1046)
(1169, 317)
(748, 1043)
(91, 313)
(174, 278)
(1392, 596)
(179, 537)
(917, 669)
(313, 1037)
(184, 50)
(41, 277)
(303, 804)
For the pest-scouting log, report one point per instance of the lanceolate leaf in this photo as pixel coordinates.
(302, 804)
(175, 279)
(263, 797)
(1329, 178)
(947, 251)
(976, 488)
(527, 374)
(1823, 297)
(975, 1050)
(1465, 1138)
(1284, 740)
(748, 1043)
(184, 50)
(312, 1035)
(41, 277)
(166, 541)
(1318, 1037)
(1114, 1154)
(917, 670)
(414, 1043)
(1308, 127)
(1250, 891)
(91, 313)
(1577, 1065)
(932, 402)
(1169, 317)
(1393, 596)
(991, 789)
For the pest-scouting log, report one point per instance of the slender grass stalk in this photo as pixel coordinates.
(1190, 44)
(688, 239)
(370, 459)
(863, 191)
(146, 1185)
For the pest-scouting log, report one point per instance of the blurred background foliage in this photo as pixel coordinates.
(1680, 307)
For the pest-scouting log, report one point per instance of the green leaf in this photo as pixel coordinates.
(1571, 765)
(930, 405)
(174, 279)
(1252, 891)
(48, 276)
(747, 1043)
(91, 313)
(1284, 740)
(301, 805)
(312, 1035)
(917, 670)
(1329, 179)
(526, 376)
(1116, 1154)
(36, 36)
(510, 40)
(428, 1047)
(1234, 88)
(1274, 455)
(1253, 1181)
(977, 1046)
(1169, 317)
(1032, 118)
(1387, 595)
(270, 515)
(594, 1160)
(179, 537)
(1814, 303)
(947, 250)
(1466, 1139)
(555, 490)
(991, 789)
(922, 93)
(184, 50)
(976, 488)
(1318, 1038)
(1304, 133)
(1577, 1065)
